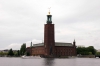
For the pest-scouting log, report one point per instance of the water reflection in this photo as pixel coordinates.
(49, 61)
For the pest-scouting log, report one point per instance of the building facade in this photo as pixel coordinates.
(50, 47)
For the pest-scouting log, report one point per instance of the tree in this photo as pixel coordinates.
(90, 53)
(10, 53)
(18, 53)
(23, 49)
(86, 50)
(97, 53)
(1, 54)
(91, 49)
(27, 53)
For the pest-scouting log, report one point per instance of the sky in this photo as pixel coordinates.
(22, 21)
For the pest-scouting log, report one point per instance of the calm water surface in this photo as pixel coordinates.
(5, 61)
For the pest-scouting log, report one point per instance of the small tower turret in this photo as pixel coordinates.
(74, 43)
(31, 44)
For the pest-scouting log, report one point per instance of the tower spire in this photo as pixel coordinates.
(49, 17)
(49, 11)
(74, 40)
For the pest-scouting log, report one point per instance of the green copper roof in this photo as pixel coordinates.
(39, 44)
(63, 44)
(56, 44)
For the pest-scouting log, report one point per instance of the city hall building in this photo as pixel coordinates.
(49, 47)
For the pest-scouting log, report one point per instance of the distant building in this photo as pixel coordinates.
(50, 47)
(4, 51)
(7, 50)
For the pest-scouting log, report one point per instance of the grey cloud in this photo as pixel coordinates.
(23, 20)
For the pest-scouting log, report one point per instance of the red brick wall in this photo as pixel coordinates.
(28, 49)
(38, 50)
(65, 51)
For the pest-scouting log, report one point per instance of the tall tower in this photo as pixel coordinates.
(49, 39)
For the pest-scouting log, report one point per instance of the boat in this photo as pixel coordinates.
(30, 57)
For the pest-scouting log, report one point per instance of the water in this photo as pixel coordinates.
(6, 61)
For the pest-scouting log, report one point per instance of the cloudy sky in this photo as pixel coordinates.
(22, 21)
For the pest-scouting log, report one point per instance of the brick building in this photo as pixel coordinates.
(50, 47)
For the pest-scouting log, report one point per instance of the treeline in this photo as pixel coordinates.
(9, 53)
(87, 51)
(17, 53)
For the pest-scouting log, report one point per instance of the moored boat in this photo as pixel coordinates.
(29, 57)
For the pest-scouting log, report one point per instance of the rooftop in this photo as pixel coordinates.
(56, 44)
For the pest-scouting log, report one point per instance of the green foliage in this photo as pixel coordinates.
(86, 50)
(18, 53)
(91, 49)
(15, 54)
(3, 53)
(27, 54)
(23, 49)
(97, 53)
(10, 53)
(90, 53)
